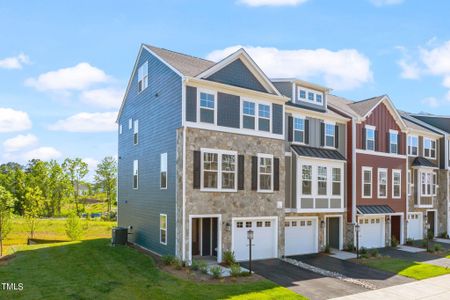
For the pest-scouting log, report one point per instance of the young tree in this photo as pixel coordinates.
(6, 207)
(76, 169)
(59, 185)
(106, 178)
(38, 176)
(34, 203)
(13, 179)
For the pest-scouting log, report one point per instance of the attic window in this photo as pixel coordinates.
(309, 96)
(143, 77)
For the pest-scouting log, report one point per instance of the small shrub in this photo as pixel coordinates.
(235, 270)
(203, 266)
(444, 235)
(374, 253)
(409, 241)
(362, 251)
(168, 260)
(350, 247)
(327, 248)
(424, 244)
(74, 228)
(229, 258)
(195, 265)
(178, 263)
(394, 242)
(216, 272)
(438, 248)
(430, 235)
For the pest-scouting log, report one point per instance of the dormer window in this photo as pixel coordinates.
(370, 138)
(309, 96)
(319, 98)
(302, 94)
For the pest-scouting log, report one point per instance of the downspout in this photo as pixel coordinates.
(183, 113)
(354, 178)
(405, 220)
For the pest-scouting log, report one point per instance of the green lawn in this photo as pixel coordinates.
(53, 229)
(92, 269)
(416, 270)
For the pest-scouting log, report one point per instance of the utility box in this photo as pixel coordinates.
(119, 236)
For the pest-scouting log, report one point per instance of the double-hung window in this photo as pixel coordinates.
(322, 181)
(311, 96)
(143, 77)
(135, 132)
(265, 173)
(248, 115)
(337, 180)
(434, 184)
(163, 229)
(429, 148)
(409, 185)
(329, 134)
(427, 184)
(396, 183)
(393, 142)
(135, 174)
(301, 94)
(370, 138)
(264, 117)
(207, 107)
(306, 180)
(163, 171)
(413, 145)
(299, 130)
(367, 182)
(382, 183)
(219, 170)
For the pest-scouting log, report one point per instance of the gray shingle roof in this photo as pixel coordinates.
(364, 106)
(317, 152)
(186, 64)
(374, 209)
(341, 104)
(423, 162)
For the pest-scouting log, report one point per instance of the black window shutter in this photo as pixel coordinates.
(254, 173)
(276, 174)
(336, 136)
(322, 134)
(363, 145)
(375, 133)
(306, 131)
(399, 143)
(388, 144)
(241, 171)
(197, 168)
(290, 128)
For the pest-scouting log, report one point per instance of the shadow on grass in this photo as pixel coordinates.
(94, 269)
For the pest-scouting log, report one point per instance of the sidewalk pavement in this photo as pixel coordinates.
(433, 288)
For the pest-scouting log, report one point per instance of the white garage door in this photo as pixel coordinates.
(300, 236)
(264, 241)
(371, 232)
(414, 227)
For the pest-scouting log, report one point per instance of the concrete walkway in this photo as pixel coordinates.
(433, 288)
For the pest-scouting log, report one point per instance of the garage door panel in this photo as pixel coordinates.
(300, 236)
(264, 239)
(371, 232)
(415, 226)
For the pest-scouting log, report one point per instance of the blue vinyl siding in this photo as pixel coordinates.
(158, 109)
(277, 117)
(191, 104)
(228, 110)
(237, 74)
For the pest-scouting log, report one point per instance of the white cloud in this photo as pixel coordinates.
(13, 120)
(42, 153)
(105, 98)
(14, 62)
(386, 2)
(87, 122)
(410, 70)
(431, 102)
(79, 77)
(19, 142)
(255, 3)
(341, 70)
(437, 60)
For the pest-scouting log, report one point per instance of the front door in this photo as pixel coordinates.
(333, 236)
(430, 219)
(395, 228)
(204, 237)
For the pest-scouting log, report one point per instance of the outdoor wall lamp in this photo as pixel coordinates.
(228, 226)
(322, 224)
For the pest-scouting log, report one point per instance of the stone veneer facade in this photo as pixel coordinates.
(243, 203)
(442, 199)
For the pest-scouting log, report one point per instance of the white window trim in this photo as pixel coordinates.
(161, 229)
(130, 123)
(431, 183)
(145, 64)
(363, 169)
(325, 134)
(163, 168)
(411, 136)
(409, 183)
(370, 127)
(219, 170)
(393, 142)
(259, 190)
(120, 128)
(297, 116)
(397, 171)
(136, 132)
(211, 92)
(435, 147)
(379, 171)
(135, 173)
(258, 116)
(306, 99)
(242, 114)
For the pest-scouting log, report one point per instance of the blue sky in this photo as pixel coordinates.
(64, 66)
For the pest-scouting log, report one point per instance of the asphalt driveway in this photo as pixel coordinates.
(304, 282)
(377, 278)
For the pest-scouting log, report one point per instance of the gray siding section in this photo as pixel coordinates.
(191, 104)
(285, 88)
(314, 132)
(441, 156)
(158, 109)
(237, 74)
(288, 184)
(277, 118)
(228, 110)
(294, 180)
(342, 139)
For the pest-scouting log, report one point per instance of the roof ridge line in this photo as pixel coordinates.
(180, 53)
